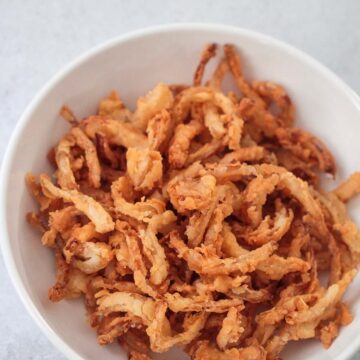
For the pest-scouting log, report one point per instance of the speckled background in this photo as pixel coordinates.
(37, 38)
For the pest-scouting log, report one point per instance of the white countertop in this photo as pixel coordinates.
(37, 38)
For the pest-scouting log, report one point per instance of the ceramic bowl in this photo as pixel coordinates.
(133, 64)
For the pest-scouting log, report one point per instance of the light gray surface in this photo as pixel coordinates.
(37, 38)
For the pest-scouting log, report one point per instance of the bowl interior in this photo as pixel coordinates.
(323, 106)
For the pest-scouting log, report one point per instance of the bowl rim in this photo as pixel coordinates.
(6, 250)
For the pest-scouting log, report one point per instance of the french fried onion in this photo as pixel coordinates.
(198, 220)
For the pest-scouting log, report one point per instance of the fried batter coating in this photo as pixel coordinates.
(152, 248)
(178, 150)
(231, 328)
(349, 188)
(161, 338)
(96, 257)
(36, 191)
(218, 75)
(86, 204)
(235, 67)
(230, 246)
(116, 132)
(91, 158)
(256, 194)
(276, 267)
(134, 304)
(245, 154)
(135, 355)
(275, 93)
(200, 303)
(159, 131)
(133, 257)
(158, 99)
(214, 121)
(204, 351)
(122, 191)
(208, 53)
(198, 224)
(65, 176)
(307, 147)
(67, 114)
(113, 106)
(144, 168)
(204, 152)
(191, 194)
(270, 229)
(204, 261)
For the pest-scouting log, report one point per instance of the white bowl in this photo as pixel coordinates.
(133, 64)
